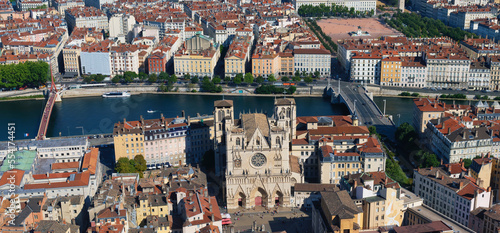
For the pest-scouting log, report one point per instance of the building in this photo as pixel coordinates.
(312, 61)
(425, 215)
(390, 74)
(95, 58)
(482, 170)
(479, 77)
(451, 140)
(86, 17)
(255, 152)
(365, 68)
(121, 25)
(454, 197)
(486, 220)
(362, 5)
(436, 227)
(123, 58)
(73, 47)
(336, 212)
(265, 62)
(197, 57)
(447, 70)
(413, 73)
(304, 194)
(238, 56)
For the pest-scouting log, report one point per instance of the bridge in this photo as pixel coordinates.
(359, 101)
(54, 96)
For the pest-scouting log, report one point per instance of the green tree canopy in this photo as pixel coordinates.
(248, 78)
(271, 78)
(140, 163)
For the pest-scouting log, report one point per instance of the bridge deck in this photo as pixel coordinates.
(368, 112)
(44, 123)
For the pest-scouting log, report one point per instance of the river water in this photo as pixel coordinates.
(97, 115)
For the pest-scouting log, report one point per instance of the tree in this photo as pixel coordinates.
(430, 160)
(316, 74)
(227, 79)
(123, 166)
(172, 79)
(271, 78)
(467, 163)
(143, 76)
(285, 79)
(163, 76)
(99, 78)
(129, 76)
(259, 79)
(187, 77)
(238, 79)
(88, 78)
(152, 78)
(195, 80)
(291, 90)
(308, 79)
(248, 78)
(216, 80)
(140, 163)
(373, 130)
(296, 78)
(405, 133)
(116, 79)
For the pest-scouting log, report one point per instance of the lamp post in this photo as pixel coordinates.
(82, 129)
(384, 107)
(355, 105)
(399, 118)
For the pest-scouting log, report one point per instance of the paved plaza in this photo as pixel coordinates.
(285, 219)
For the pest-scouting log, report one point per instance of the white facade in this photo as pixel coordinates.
(446, 199)
(312, 60)
(121, 25)
(359, 5)
(122, 61)
(95, 63)
(366, 70)
(479, 78)
(413, 76)
(447, 73)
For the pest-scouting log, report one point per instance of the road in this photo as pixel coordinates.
(367, 111)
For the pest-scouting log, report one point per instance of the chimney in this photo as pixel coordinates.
(431, 167)
(194, 208)
(441, 162)
(437, 174)
(461, 185)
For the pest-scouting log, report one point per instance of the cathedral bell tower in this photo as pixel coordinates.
(285, 114)
(223, 119)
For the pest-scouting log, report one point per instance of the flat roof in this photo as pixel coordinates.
(58, 142)
(23, 161)
(434, 215)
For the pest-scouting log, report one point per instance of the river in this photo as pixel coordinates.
(96, 115)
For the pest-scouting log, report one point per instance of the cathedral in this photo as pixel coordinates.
(253, 154)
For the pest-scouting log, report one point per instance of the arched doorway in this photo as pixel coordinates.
(260, 197)
(241, 199)
(278, 198)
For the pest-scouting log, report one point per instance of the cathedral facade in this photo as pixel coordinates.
(253, 153)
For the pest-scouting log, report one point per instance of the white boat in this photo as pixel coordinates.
(151, 111)
(116, 94)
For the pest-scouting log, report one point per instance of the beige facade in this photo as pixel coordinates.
(71, 57)
(128, 145)
(259, 168)
(198, 57)
(379, 211)
(156, 205)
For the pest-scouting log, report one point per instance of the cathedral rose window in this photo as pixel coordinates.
(258, 160)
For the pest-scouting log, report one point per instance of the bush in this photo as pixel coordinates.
(415, 94)
(453, 96)
(271, 89)
(405, 93)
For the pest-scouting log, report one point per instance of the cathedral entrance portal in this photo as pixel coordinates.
(242, 200)
(278, 198)
(260, 197)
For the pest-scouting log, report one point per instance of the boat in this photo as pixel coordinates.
(151, 111)
(116, 94)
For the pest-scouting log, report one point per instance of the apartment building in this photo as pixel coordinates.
(265, 62)
(123, 58)
(361, 5)
(451, 140)
(287, 63)
(312, 60)
(197, 57)
(238, 56)
(479, 47)
(413, 73)
(447, 71)
(121, 25)
(72, 49)
(336, 212)
(63, 5)
(26, 5)
(390, 71)
(304, 194)
(161, 56)
(95, 58)
(486, 220)
(155, 204)
(462, 18)
(425, 109)
(88, 17)
(494, 65)
(454, 197)
(365, 68)
(479, 76)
